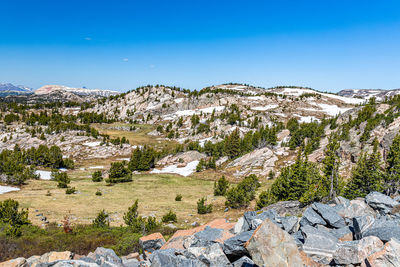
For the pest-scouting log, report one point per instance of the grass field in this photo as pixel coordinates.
(156, 194)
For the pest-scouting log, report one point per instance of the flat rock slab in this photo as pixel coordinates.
(329, 214)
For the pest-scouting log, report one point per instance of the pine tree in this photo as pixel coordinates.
(101, 221)
(367, 175)
(331, 163)
(221, 186)
(130, 217)
(392, 178)
(232, 144)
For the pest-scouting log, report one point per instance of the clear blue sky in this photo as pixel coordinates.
(327, 45)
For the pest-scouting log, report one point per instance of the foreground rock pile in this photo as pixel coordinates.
(361, 232)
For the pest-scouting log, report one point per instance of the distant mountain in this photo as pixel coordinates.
(379, 94)
(50, 89)
(11, 89)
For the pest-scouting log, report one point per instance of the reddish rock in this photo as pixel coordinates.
(18, 262)
(177, 240)
(151, 242)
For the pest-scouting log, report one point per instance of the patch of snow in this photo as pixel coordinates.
(126, 159)
(280, 114)
(264, 108)
(96, 167)
(332, 110)
(92, 144)
(255, 98)
(203, 141)
(178, 100)
(299, 92)
(5, 189)
(184, 171)
(44, 175)
(187, 112)
(307, 119)
(211, 109)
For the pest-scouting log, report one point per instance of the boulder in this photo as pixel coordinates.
(18, 262)
(342, 201)
(244, 262)
(172, 257)
(329, 214)
(290, 224)
(105, 256)
(355, 252)
(380, 202)
(55, 256)
(361, 224)
(234, 246)
(32, 261)
(271, 246)
(211, 256)
(389, 256)
(383, 233)
(318, 242)
(343, 234)
(181, 237)
(284, 208)
(241, 226)
(308, 262)
(256, 220)
(151, 242)
(356, 208)
(71, 263)
(310, 217)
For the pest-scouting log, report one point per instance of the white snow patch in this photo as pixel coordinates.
(96, 167)
(307, 119)
(211, 109)
(5, 189)
(188, 112)
(184, 171)
(203, 141)
(126, 159)
(255, 98)
(44, 175)
(264, 108)
(178, 100)
(92, 144)
(332, 110)
(299, 92)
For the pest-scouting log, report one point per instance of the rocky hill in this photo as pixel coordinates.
(51, 89)
(379, 94)
(11, 89)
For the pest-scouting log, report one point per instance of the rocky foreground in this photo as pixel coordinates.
(360, 232)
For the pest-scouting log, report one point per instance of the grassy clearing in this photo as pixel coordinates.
(156, 194)
(138, 137)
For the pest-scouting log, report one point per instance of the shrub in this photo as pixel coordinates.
(98, 193)
(178, 197)
(60, 177)
(132, 214)
(101, 221)
(169, 217)
(97, 176)
(241, 195)
(202, 208)
(12, 218)
(221, 186)
(119, 173)
(70, 190)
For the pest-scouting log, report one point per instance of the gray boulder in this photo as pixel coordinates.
(361, 224)
(342, 201)
(290, 224)
(357, 208)
(151, 242)
(319, 242)
(355, 252)
(383, 233)
(244, 262)
(206, 238)
(241, 226)
(329, 214)
(105, 255)
(343, 234)
(389, 256)
(310, 217)
(380, 202)
(211, 256)
(73, 263)
(298, 238)
(170, 257)
(234, 246)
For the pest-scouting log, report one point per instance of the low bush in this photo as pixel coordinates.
(202, 208)
(169, 217)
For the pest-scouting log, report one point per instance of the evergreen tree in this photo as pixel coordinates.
(97, 176)
(367, 175)
(101, 221)
(331, 163)
(221, 186)
(392, 178)
(202, 208)
(131, 216)
(232, 144)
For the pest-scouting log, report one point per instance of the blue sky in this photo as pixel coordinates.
(327, 45)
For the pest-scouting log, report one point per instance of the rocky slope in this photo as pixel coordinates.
(11, 89)
(50, 89)
(379, 94)
(361, 232)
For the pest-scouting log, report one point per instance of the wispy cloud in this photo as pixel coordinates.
(88, 38)
(125, 59)
(151, 66)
